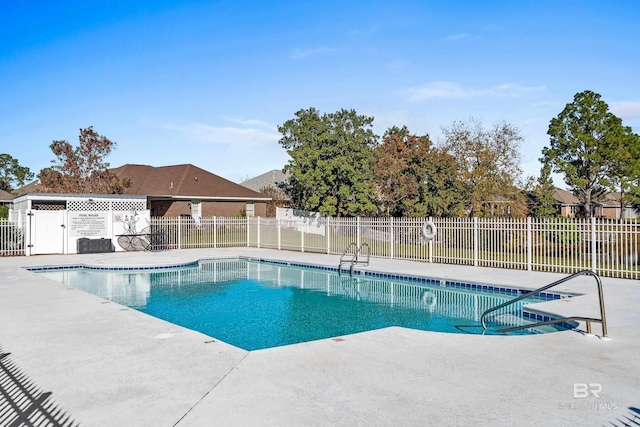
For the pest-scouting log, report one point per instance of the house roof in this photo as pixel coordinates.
(612, 200)
(565, 197)
(182, 182)
(5, 197)
(274, 178)
(32, 187)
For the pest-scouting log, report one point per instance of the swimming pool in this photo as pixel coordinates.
(256, 304)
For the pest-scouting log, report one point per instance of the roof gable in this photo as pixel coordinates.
(5, 197)
(274, 178)
(186, 181)
(565, 197)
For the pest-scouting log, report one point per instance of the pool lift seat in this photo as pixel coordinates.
(588, 320)
(355, 258)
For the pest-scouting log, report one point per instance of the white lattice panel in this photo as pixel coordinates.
(87, 206)
(48, 206)
(129, 205)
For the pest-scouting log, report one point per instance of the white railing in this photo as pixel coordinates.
(607, 247)
(187, 233)
(12, 234)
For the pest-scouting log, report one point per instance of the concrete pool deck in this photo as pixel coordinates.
(107, 365)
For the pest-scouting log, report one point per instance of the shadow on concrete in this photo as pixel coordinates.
(628, 420)
(22, 403)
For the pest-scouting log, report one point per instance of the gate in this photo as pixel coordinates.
(47, 232)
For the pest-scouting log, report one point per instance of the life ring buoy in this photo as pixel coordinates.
(429, 230)
(429, 299)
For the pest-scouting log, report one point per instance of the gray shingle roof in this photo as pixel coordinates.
(5, 197)
(565, 197)
(273, 178)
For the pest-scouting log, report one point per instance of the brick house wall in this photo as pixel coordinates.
(169, 208)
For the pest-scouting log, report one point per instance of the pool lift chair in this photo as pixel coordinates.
(355, 257)
(588, 320)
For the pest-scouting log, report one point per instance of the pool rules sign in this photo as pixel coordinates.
(88, 224)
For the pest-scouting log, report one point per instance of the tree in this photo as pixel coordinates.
(82, 169)
(489, 167)
(631, 174)
(588, 145)
(624, 174)
(12, 175)
(545, 203)
(331, 166)
(414, 178)
(278, 199)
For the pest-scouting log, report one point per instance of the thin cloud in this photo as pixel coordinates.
(452, 90)
(515, 90)
(461, 36)
(455, 37)
(248, 122)
(305, 53)
(626, 110)
(225, 134)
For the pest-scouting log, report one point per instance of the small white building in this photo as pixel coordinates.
(81, 223)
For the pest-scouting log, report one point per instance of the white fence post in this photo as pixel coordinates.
(430, 245)
(475, 241)
(358, 232)
(258, 233)
(279, 233)
(593, 244)
(215, 232)
(328, 238)
(302, 238)
(27, 233)
(391, 237)
(529, 244)
(179, 233)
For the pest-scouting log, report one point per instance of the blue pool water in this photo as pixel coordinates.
(255, 305)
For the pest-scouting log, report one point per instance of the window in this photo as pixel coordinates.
(250, 210)
(196, 209)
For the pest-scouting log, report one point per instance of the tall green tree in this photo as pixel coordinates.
(545, 204)
(414, 178)
(82, 169)
(587, 146)
(12, 174)
(332, 159)
(489, 167)
(278, 199)
(624, 174)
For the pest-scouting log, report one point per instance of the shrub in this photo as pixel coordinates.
(566, 232)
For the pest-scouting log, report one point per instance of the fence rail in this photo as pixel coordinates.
(12, 235)
(608, 247)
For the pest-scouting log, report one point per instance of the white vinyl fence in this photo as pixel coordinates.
(609, 247)
(12, 234)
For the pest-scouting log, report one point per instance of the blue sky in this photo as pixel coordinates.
(208, 82)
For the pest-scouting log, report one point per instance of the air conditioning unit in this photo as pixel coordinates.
(94, 246)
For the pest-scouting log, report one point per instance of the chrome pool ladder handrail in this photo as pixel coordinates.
(355, 258)
(587, 320)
